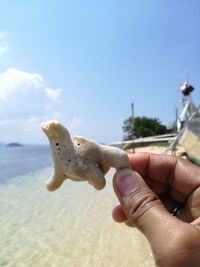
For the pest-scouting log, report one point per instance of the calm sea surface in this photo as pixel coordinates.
(17, 161)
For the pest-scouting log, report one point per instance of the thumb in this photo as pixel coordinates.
(141, 205)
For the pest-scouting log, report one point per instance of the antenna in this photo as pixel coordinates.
(186, 76)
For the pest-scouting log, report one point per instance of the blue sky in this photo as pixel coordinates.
(84, 62)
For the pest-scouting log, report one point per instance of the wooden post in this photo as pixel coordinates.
(133, 124)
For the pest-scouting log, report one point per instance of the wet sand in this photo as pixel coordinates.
(70, 227)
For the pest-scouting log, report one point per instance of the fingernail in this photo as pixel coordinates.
(126, 180)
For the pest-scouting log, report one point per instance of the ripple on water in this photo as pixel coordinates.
(69, 227)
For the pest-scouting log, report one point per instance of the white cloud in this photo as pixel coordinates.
(76, 124)
(3, 43)
(14, 80)
(26, 101)
(53, 94)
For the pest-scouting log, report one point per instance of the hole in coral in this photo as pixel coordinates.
(98, 166)
(69, 160)
(57, 144)
(79, 144)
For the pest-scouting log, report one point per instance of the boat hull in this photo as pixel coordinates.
(190, 138)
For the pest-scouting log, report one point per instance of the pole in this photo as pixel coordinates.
(133, 133)
(176, 120)
(132, 116)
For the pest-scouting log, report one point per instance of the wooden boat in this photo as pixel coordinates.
(188, 127)
(190, 139)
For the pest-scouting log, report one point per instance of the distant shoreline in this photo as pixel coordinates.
(14, 144)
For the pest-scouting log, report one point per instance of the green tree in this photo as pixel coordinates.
(143, 126)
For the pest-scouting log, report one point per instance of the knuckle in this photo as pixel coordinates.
(138, 203)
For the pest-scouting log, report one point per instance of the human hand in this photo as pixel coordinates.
(148, 194)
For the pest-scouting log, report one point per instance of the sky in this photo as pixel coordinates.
(84, 62)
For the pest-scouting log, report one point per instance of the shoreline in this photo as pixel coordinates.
(155, 149)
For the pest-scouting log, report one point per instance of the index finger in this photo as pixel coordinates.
(180, 174)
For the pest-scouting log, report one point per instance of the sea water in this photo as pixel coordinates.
(15, 161)
(70, 227)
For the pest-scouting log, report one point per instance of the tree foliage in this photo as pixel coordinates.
(143, 126)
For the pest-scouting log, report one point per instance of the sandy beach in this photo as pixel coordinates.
(70, 227)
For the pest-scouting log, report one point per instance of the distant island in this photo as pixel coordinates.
(14, 145)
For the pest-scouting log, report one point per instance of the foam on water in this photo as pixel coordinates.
(69, 227)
